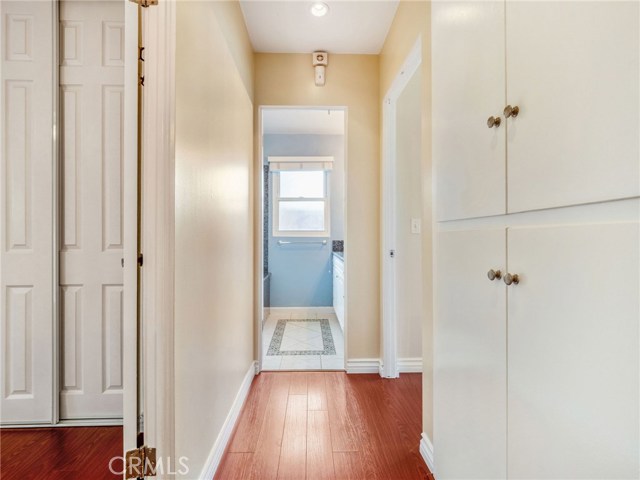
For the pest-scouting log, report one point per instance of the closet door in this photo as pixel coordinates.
(468, 88)
(91, 98)
(26, 213)
(573, 69)
(470, 356)
(573, 351)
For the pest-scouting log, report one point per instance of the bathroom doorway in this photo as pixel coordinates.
(303, 272)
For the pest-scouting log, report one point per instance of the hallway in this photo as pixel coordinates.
(328, 425)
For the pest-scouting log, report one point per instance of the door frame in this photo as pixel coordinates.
(259, 222)
(388, 307)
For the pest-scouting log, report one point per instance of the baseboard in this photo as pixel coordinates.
(215, 455)
(89, 422)
(301, 311)
(410, 365)
(363, 365)
(426, 451)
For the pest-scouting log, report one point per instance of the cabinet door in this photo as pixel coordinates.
(573, 69)
(470, 356)
(468, 88)
(573, 352)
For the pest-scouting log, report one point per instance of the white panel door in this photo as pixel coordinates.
(573, 352)
(470, 371)
(92, 102)
(573, 69)
(26, 199)
(468, 88)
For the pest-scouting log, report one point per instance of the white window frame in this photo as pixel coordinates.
(275, 175)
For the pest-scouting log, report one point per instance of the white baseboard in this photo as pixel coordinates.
(89, 422)
(410, 365)
(363, 365)
(301, 311)
(215, 455)
(426, 451)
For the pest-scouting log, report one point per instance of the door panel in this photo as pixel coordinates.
(26, 196)
(470, 356)
(92, 113)
(468, 88)
(573, 351)
(573, 68)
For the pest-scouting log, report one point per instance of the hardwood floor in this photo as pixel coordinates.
(328, 426)
(59, 453)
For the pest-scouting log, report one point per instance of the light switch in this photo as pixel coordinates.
(416, 226)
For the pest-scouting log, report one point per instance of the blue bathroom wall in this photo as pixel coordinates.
(301, 275)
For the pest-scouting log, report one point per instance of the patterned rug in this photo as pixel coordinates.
(328, 347)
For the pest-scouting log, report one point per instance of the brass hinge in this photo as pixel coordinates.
(145, 3)
(140, 260)
(140, 463)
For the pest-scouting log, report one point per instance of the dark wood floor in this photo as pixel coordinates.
(59, 453)
(328, 425)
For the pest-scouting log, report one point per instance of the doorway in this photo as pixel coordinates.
(303, 159)
(402, 221)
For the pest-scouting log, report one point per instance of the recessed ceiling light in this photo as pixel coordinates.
(319, 9)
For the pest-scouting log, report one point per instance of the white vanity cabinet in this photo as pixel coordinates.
(338, 288)
(572, 69)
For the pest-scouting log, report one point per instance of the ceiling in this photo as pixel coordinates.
(294, 121)
(288, 26)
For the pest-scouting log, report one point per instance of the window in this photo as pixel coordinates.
(301, 203)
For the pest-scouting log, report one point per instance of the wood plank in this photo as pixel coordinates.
(319, 452)
(317, 392)
(374, 428)
(348, 466)
(253, 415)
(298, 383)
(234, 466)
(343, 434)
(60, 452)
(293, 455)
(265, 461)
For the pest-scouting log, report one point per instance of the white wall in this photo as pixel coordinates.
(214, 225)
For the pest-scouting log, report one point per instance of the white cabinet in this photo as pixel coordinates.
(469, 86)
(338, 289)
(539, 379)
(573, 351)
(572, 69)
(470, 411)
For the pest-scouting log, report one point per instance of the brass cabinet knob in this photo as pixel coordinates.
(493, 274)
(493, 122)
(510, 111)
(511, 278)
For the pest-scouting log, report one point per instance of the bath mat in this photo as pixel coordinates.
(275, 347)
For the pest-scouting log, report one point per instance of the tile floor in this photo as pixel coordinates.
(300, 336)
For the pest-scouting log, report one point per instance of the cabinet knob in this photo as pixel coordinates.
(511, 278)
(493, 122)
(493, 274)
(510, 111)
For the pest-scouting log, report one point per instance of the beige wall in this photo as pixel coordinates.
(214, 222)
(351, 81)
(412, 19)
(409, 205)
